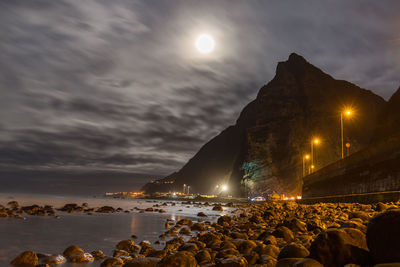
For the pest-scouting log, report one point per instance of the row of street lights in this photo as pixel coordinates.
(316, 141)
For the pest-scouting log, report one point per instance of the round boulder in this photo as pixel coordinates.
(293, 250)
(383, 235)
(338, 247)
(27, 258)
(127, 245)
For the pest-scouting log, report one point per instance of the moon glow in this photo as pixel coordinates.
(205, 43)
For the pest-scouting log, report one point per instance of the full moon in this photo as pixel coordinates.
(205, 43)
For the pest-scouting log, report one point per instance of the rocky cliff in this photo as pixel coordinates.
(263, 151)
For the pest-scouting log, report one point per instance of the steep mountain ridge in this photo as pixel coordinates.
(273, 132)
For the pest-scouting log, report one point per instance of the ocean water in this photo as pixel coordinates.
(44, 234)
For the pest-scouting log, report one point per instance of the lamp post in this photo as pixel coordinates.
(313, 141)
(347, 113)
(305, 157)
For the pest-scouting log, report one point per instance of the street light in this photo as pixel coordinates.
(316, 142)
(347, 113)
(305, 157)
(224, 188)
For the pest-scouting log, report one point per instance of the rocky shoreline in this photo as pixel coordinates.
(269, 234)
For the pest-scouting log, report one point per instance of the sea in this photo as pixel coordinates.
(45, 234)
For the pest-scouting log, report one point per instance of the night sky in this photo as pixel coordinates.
(105, 95)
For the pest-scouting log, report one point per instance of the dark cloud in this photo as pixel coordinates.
(116, 87)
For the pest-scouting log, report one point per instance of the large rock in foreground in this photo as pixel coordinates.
(383, 237)
(338, 247)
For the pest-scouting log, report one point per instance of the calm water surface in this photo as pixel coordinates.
(90, 232)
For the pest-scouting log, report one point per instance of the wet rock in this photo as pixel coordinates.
(238, 235)
(337, 247)
(112, 262)
(147, 250)
(98, 254)
(226, 219)
(359, 214)
(383, 235)
(356, 225)
(81, 257)
(105, 209)
(293, 250)
(284, 232)
(181, 258)
(203, 256)
(247, 246)
(117, 253)
(252, 257)
(168, 224)
(295, 225)
(71, 250)
(27, 258)
(71, 207)
(217, 208)
(185, 231)
(143, 262)
(227, 253)
(127, 245)
(187, 222)
(145, 243)
(3, 214)
(270, 250)
(270, 239)
(201, 214)
(200, 227)
(54, 259)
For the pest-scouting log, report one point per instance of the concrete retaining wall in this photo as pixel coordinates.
(362, 177)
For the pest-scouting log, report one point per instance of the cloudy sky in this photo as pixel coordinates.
(105, 93)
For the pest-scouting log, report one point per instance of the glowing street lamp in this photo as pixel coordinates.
(305, 157)
(347, 113)
(314, 141)
(224, 188)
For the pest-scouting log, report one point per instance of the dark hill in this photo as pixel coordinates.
(388, 124)
(273, 132)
